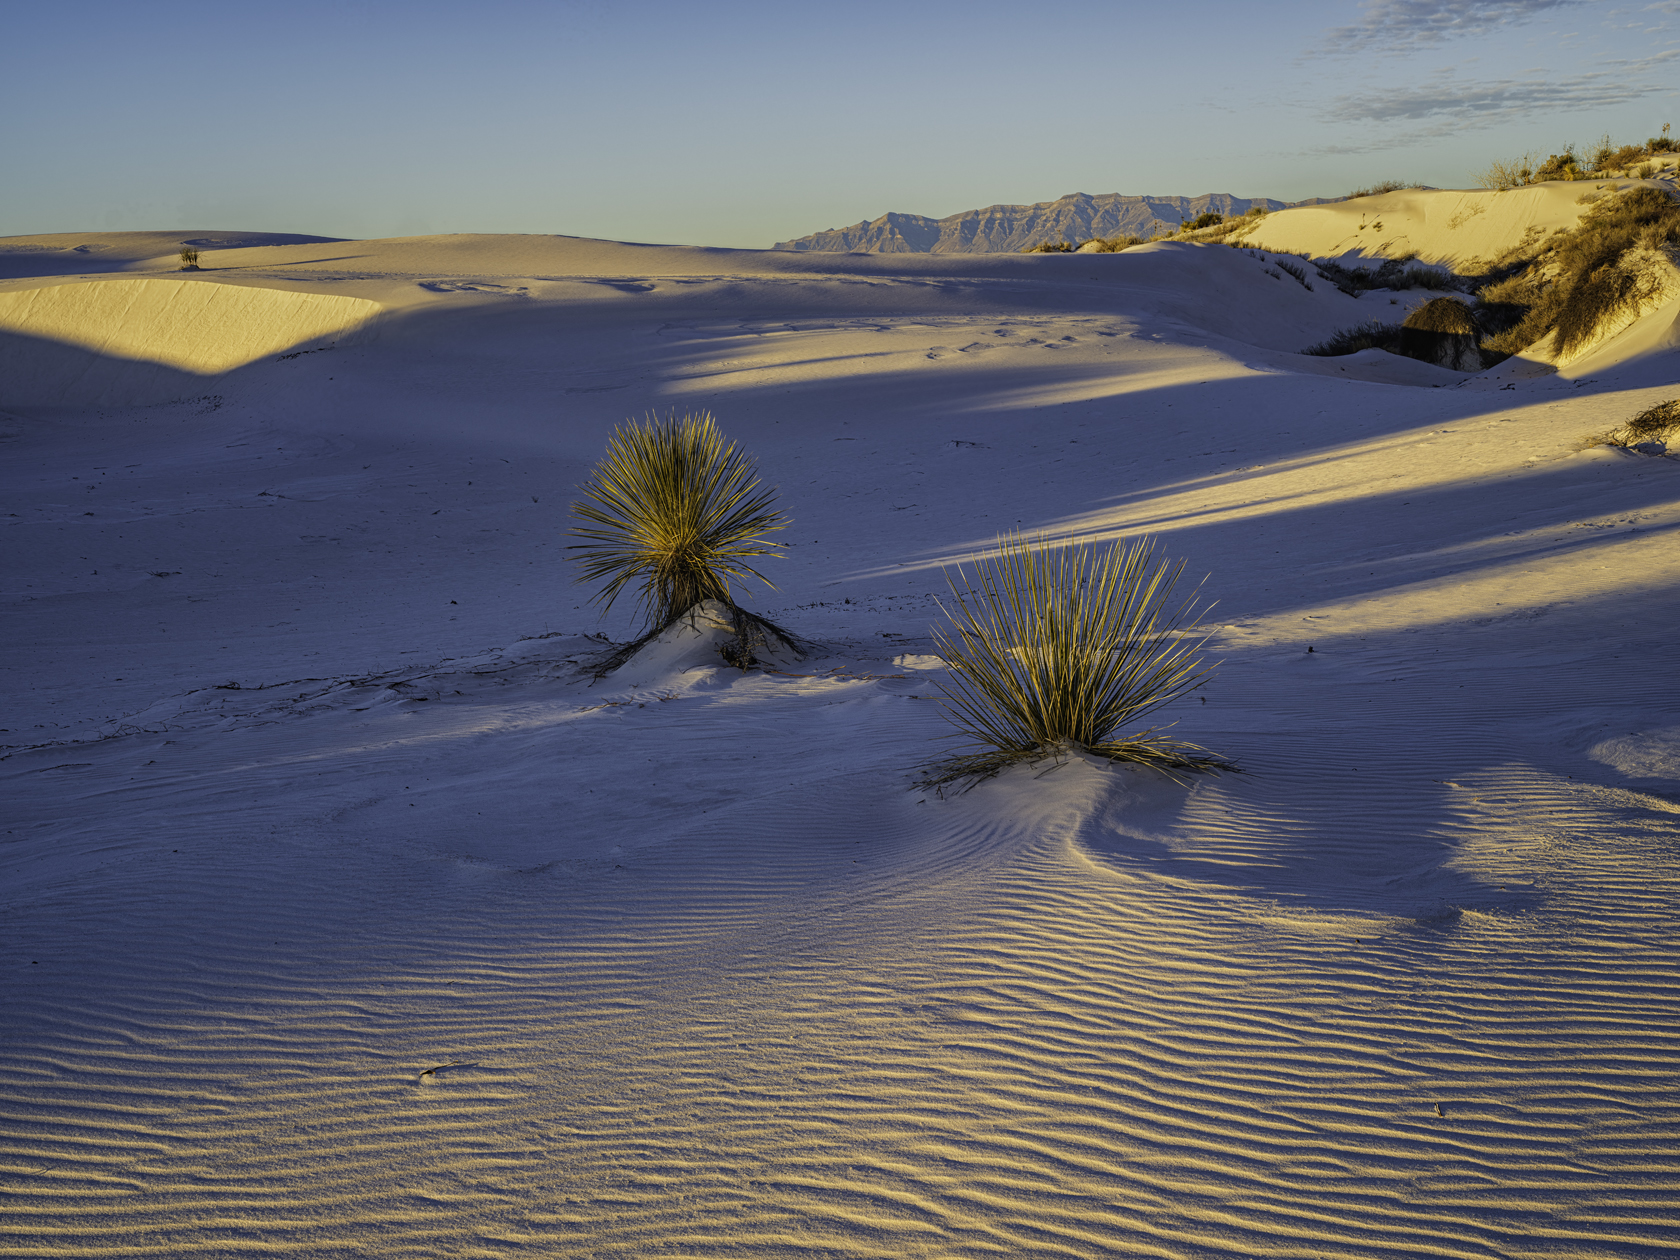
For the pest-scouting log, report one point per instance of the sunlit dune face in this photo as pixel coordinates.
(190, 325)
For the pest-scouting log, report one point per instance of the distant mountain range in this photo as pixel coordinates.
(1010, 229)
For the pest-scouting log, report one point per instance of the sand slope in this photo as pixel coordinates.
(305, 792)
(1461, 229)
(197, 327)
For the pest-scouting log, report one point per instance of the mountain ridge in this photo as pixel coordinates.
(1007, 229)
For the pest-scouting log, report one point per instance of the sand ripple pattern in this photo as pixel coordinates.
(1083, 1015)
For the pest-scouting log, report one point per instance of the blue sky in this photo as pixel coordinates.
(746, 123)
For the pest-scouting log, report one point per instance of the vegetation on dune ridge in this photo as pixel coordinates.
(1603, 158)
(1569, 285)
(1377, 190)
(1055, 648)
(677, 511)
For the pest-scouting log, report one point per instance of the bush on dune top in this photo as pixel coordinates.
(1055, 648)
(1605, 157)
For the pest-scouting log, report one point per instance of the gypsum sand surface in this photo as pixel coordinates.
(305, 795)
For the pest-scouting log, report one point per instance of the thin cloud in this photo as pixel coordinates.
(1406, 25)
(1473, 104)
(1448, 105)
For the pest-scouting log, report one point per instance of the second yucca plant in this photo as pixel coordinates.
(1057, 648)
(676, 511)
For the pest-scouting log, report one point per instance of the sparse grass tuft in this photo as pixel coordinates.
(677, 509)
(1377, 190)
(1296, 270)
(1373, 335)
(1049, 247)
(1056, 648)
(189, 259)
(1654, 426)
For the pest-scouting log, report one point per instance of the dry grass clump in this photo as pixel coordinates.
(1442, 315)
(676, 510)
(1391, 273)
(1049, 247)
(1057, 648)
(1573, 283)
(1372, 335)
(1377, 190)
(1110, 244)
(189, 259)
(1651, 428)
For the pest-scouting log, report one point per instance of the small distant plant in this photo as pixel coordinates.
(1210, 218)
(676, 511)
(189, 259)
(1056, 648)
(1372, 335)
(1376, 190)
(1110, 244)
(1049, 247)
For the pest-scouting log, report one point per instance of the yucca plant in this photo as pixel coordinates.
(189, 259)
(676, 511)
(1054, 648)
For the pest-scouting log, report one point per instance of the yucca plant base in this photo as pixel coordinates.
(1169, 756)
(710, 632)
(1056, 647)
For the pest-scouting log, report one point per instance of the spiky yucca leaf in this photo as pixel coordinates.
(678, 509)
(1056, 647)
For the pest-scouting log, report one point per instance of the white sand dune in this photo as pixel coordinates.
(305, 792)
(1455, 227)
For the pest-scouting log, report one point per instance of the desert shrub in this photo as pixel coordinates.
(1422, 278)
(189, 258)
(1607, 159)
(1442, 315)
(677, 509)
(1609, 263)
(1391, 273)
(1372, 335)
(1501, 176)
(1256, 212)
(1563, 165)
(1376, 190)
(1209, 219)
(1654, 424)
(1054, 648)
(1111, 244)
(1049, 247)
